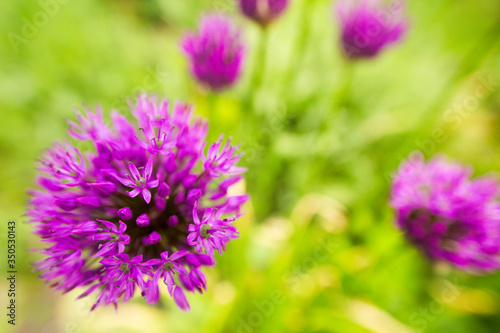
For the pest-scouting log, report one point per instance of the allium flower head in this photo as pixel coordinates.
(446, 214)
(367, 26)
(146, 206)
(215, 52)
(263, 11)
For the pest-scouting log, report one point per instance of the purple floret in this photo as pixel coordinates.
(120, 218)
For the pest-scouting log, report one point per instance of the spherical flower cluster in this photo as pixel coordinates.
(366, 27)
(263, 11)
(447, 215)
(215, 53)
(146, 205)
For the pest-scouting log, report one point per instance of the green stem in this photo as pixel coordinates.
(300, 46)
(211, 104)
(342, 96)
(260, 64)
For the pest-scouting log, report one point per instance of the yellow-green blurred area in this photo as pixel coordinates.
(318, 250)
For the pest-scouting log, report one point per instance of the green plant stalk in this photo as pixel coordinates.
(259, 67)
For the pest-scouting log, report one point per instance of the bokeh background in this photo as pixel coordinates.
(318, 250)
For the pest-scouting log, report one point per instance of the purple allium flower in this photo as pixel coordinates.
(367, 27)
(216, 52)
(447, 215)
(127, 214)
(263, 11)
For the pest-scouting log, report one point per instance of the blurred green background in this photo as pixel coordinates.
(318, 252)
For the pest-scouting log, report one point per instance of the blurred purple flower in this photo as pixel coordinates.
(367, 27)
(103, 235)
(216, 52)
(263, 11)
(447, 215)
